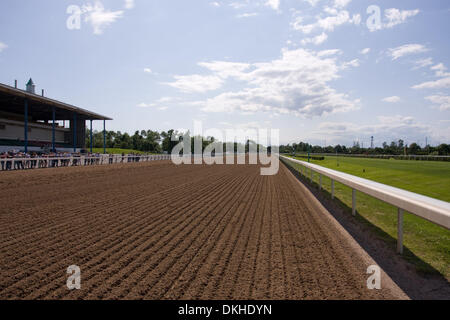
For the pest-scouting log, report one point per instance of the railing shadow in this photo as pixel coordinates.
(418, 279)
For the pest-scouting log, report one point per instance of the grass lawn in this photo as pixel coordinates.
(426, 245)
(118, 151)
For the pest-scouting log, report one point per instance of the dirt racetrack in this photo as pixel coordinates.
(160, 231)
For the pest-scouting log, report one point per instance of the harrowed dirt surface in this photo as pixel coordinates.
(160, 231)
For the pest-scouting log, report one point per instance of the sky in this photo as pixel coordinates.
(321, 71)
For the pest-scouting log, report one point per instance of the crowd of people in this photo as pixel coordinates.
(17, 160)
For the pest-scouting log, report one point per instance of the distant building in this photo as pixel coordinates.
(30, 122)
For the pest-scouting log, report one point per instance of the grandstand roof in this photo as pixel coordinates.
(12, 101)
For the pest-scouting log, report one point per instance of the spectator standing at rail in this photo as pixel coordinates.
(9, 156)
(3, 160)
(33, 163)
(18, 165)
(42, 162)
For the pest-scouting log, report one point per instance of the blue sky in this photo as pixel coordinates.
(323, 71)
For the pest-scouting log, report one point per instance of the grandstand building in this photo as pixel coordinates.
(31, 122)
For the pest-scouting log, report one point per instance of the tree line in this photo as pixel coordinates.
(394, 148)
(160, 142)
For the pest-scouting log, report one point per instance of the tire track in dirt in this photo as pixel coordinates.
(222, 250)
(205, 249)
(140, 234)
(155, 230)
(221, 282)
(248, 267)
(124, 202)
(213, 252)
(344, 272)
(99, 194)
(182, 243)
(260, 283)
(187, 220)
(303, 249)
(206, 186)
(279, 283)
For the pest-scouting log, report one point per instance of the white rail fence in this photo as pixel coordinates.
(7, 164)
(433, 210)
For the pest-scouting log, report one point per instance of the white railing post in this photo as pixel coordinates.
(311, 175)
(400, 231)
(332, 189)
(353, 202)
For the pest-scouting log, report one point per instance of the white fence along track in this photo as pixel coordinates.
(433, 210)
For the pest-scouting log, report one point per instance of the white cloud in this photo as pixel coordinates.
(238, 5)
(2, 46)
(422, 63)
(245, 125)
(444, 82)
(196, 83)
(152, 105)
(247, 15)
(148, 70)
(166, 99)
(438, 84)
(388, 128)
(395, 16)
(341, 3)
(442, 102)
(312, 2)
(336, 18)
(296, 83)
(146, 105)
(440, 70)
(406, 49)
(321, 38)
(225, 69)
(353, 63)
(365, 51)
(274, 4)
(327, 53)
(393, 99)
(100, 18)
(129, 4)
(331, 22)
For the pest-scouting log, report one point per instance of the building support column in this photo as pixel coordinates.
(26, 126)
(74, 132)
(91, 137)
(53, 130)
(104, 136)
